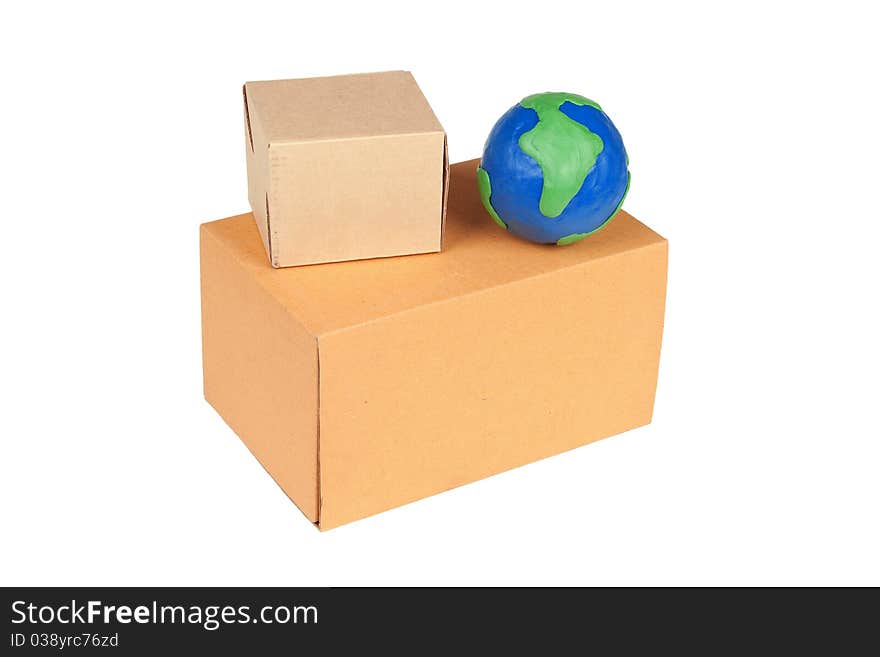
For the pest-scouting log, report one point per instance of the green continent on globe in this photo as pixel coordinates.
(564, 149)
(577, 237)
(571, 239)
(486, 194)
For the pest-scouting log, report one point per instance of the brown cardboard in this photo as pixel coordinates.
(365, 385)
(344, 168)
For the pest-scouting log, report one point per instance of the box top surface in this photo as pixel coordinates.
(340, 107)
(477, 255)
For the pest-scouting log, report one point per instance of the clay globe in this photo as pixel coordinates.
(554, 169)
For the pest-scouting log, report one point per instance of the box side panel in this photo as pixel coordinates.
(260, 372)
(657, 310)
(356, 199)
(257, 157)
(448, 393)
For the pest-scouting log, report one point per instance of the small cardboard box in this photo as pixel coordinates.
(361, 386)
(344, 168)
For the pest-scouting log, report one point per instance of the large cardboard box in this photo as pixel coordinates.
(361, 386)
(344, 167)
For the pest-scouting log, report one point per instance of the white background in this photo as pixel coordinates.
(753, 137)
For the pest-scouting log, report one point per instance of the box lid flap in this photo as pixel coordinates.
(341, 107)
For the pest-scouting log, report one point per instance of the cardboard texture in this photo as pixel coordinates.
(361, 386)
(344, 168)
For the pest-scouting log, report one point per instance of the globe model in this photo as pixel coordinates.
(554, 169)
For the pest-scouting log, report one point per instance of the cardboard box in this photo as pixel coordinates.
(344, 168)
(361, 386)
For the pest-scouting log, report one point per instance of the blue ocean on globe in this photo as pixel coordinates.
(554, 169)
